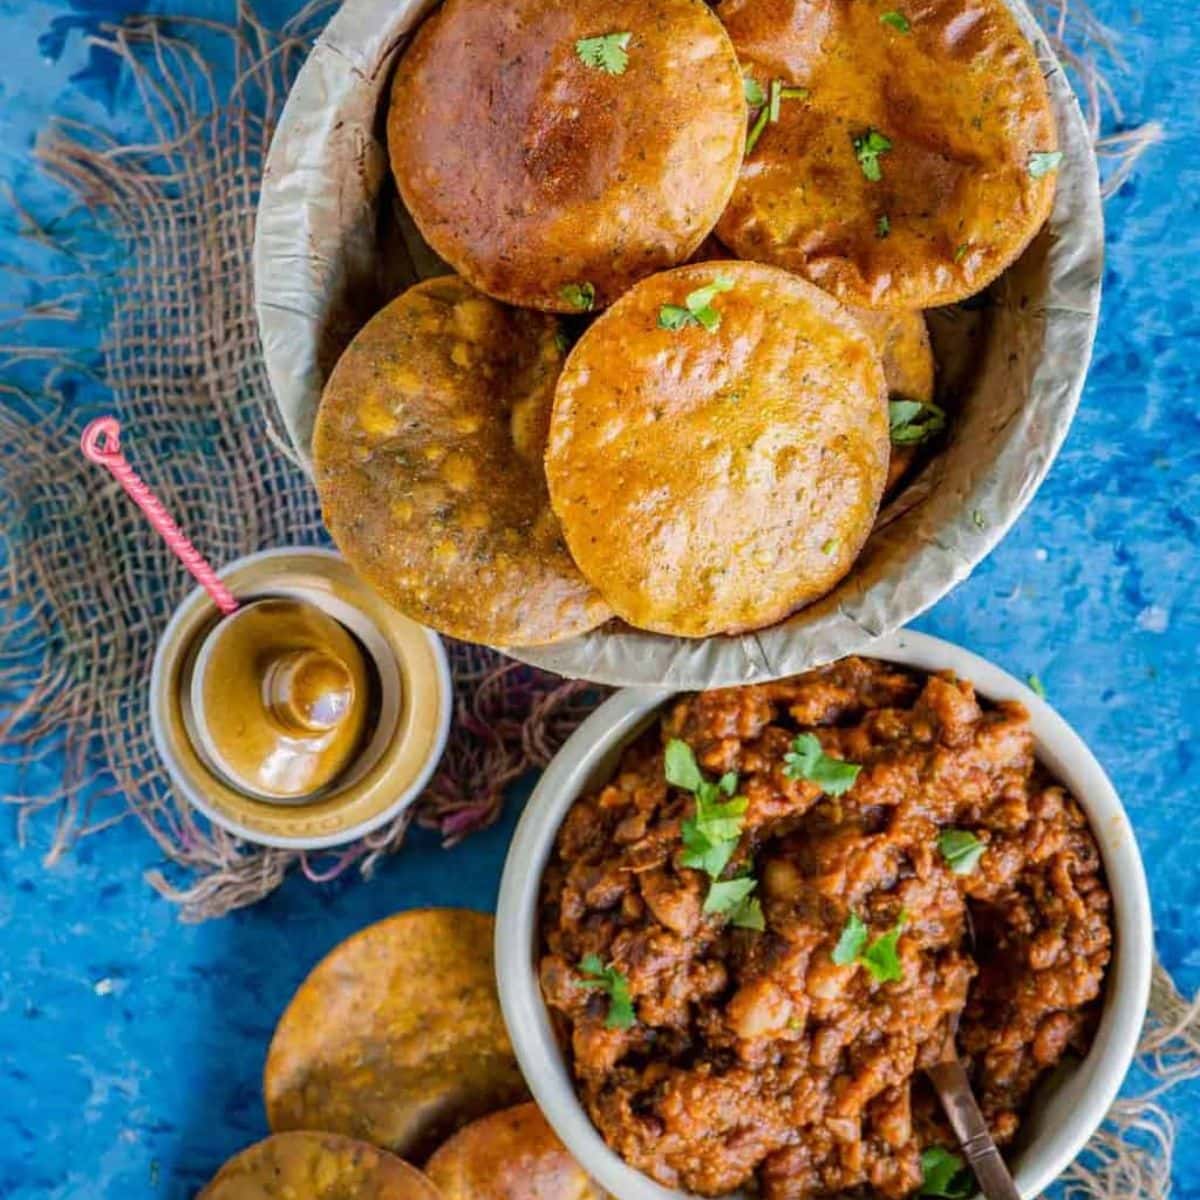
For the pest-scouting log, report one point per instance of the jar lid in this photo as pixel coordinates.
(279, 698)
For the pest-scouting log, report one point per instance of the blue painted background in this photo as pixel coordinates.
(131, 1046)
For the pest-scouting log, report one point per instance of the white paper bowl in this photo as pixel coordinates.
(333, 245)
(1060, 1124)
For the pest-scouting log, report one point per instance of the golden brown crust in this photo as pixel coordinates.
(428, 460)
(962, 100)
(396, 1036)
(529, 171)
(719, 479)
(902, 340)
(509, 1155)
(317, 1166)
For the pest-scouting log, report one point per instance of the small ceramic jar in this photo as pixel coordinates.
(309, 717)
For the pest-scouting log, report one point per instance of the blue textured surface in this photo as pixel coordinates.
(131, 1046)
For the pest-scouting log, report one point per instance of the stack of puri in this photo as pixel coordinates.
(683, 356)
(390, 1077)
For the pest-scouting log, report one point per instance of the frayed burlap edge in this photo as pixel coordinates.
(163, 232)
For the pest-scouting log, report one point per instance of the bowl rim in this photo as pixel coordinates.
(1073, 1114)
(195, 795)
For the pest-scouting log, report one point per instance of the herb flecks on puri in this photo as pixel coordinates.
(768, 105)
(697, 307)
(911, 422)
(869, 147)
(608, 52)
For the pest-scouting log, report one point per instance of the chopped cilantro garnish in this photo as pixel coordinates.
(606, 52)
(961, 849)
(767, 104)
(774, 95)
(829, 545)
(960, 251)
(913, 421)
(978, 519)
(852, 941)
(1037, 687)
(680, 766)
(711, 836)
(806, 760)
(880, 957)
(944, 1174)
(897, 20)
(610, 980)
(868, 147)
(562, 340)
(725, 896)
(578, 295)
(883, 226)
(697, 307)
(1043, 162)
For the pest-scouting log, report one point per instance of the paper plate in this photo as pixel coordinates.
(334, 243)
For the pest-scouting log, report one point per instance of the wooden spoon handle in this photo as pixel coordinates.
(974, 1137)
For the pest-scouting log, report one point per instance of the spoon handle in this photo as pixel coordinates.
(975, 1139)
(101, 444)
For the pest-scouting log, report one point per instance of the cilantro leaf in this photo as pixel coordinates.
(944, 1174)
(850, 944)
(882, 956)
(704, 296)
(1043, 162)
(978, 519)
(806, 760)
(680, 765)
(868, 147)
(703, 855)
(698, 309)
(578, 295)
(1037, 687)
(883, 226)
(897, 20)
(606, 52)
(752, 90)
(728, 782)
(961, 849)
(748, 914)
(914, 421)
(725, 896)
(614, 983)
(774, 96)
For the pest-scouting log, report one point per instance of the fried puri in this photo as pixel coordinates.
(553, 169)
(428, 461)
(726, 474)
(509, 1155)
(396, 1036)
(913, 158)
(317, 1166)
(902, 341)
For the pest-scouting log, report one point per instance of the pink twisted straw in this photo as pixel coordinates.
(101, 444)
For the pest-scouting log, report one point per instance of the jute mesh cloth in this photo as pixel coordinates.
(162, 236)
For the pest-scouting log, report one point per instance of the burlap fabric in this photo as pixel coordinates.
(162, 239)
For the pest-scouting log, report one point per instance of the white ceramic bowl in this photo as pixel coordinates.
(1062, 1120)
